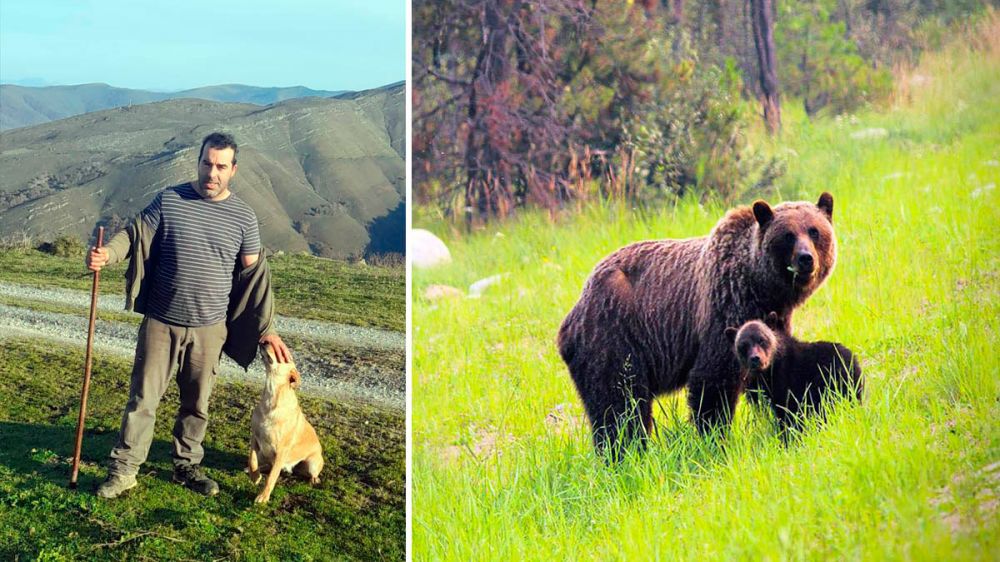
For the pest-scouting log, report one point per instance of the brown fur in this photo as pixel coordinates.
(652, 315)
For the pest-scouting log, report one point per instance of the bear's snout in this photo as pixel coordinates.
(805, 262)
(755, 361)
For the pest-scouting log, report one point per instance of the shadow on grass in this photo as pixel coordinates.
(357, 512)
(47, 450)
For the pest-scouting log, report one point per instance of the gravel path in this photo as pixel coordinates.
(324, 331)
(118, 338)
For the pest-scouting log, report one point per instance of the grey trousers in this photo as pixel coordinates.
(161, 350)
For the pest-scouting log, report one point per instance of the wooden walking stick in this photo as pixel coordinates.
(86, 369)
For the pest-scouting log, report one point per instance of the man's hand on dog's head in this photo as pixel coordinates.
(97, 258)
(281, 351)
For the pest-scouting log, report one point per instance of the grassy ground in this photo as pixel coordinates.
(335, 291)
(305, 287)
(357, 512)
(502, 462)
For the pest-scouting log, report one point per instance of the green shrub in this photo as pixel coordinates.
(690, 138)
(665, 120)
(66, 246)
(820, 65)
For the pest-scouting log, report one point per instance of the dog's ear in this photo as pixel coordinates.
(294, 377)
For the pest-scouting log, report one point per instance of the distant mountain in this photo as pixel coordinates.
(252, 94)
(323, 174)
(22, 106)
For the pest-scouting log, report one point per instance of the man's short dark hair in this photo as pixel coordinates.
(219, 141)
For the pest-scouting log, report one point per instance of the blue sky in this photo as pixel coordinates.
(180, 44)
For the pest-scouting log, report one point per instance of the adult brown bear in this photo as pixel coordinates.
(652, 316)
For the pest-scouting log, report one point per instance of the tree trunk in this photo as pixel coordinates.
(486, 194)
(845, 6)
(719, 15)
(677, 12)
(762, 19)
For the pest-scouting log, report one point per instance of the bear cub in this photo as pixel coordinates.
(796, 377)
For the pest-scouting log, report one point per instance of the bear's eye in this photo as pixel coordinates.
(814, 233)
(789, 238)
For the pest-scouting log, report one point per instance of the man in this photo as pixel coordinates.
(198, 237)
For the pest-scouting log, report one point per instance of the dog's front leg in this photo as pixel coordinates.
(252, 462)
(272, 479)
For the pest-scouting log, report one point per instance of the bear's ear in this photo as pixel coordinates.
(771, 320)
(763, 213)
(731, 334)
(826, 205)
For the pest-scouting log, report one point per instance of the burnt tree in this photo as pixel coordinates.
(762, 21)
(487, 186)
(488, 126)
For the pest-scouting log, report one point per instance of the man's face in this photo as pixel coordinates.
(214, 172)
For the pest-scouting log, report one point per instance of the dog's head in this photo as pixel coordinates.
(281, 372)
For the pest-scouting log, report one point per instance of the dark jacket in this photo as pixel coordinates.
(251, 301)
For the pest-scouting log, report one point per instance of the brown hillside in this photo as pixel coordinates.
(319, 172)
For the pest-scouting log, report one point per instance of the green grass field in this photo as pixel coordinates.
(503, 467)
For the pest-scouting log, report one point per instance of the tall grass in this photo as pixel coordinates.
(502, 463)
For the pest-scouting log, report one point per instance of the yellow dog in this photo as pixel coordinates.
(282, 439)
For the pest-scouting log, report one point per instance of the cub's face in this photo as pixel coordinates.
(797, 241)
(755, 345)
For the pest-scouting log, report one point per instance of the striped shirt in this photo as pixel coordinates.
(196, 247)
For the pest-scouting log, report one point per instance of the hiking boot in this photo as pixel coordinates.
(193, 477)
(115, 485)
